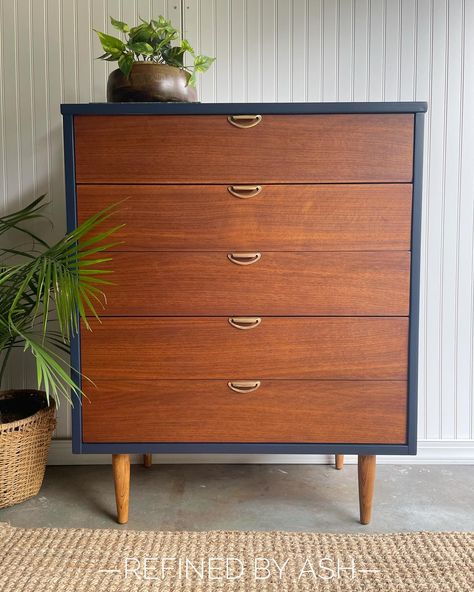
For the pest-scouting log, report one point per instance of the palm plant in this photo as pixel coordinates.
(61, 282)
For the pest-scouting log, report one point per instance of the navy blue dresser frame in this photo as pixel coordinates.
(418, 109)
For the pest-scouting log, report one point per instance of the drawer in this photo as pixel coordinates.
(278, 411)
(208, 149)
(280, 218)
(306, 283)
(211, 348)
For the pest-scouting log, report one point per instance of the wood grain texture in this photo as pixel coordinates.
(366, 475)
(121, 470)
(280, 218)
(199, 347)
(281, 149)
(365, 283)
(278, 411)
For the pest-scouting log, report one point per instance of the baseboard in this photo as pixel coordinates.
(429, 452)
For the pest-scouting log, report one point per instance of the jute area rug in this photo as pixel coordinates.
(47, 560)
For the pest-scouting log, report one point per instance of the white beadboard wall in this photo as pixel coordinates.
(281, 50)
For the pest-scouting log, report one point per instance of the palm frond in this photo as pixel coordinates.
(33, 211)
(61, 284)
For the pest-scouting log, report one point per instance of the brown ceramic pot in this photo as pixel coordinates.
(149, 83)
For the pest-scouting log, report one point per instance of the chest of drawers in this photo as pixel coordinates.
(266, 286)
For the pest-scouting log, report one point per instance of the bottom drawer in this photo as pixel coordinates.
(304, 411)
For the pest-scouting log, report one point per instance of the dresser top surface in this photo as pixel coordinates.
(239, 108)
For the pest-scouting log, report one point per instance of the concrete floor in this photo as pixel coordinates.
(253, 497)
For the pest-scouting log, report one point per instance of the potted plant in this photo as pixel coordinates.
(44, 292)
(150, 67)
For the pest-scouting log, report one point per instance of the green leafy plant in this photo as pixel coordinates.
(151, 42)
(61, 282)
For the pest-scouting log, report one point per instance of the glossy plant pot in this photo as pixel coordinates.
(150, 83)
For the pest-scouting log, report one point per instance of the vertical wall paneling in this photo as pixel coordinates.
(299, 50)
(377, 49)
(143, 9)
(238, 47)
(11, 126)
(465, 291)
(112, 8)
(361, 44)
(434, 221)
(3, 140)
(409, 16)
(393, 12)
(450, 217)
(222, 68)
(284, 39)
(25, 107)
(54, 175)
(423, 88)
(269, 50)
(279, 50)
(253, 55)
(69, 50)
(11, 114)
(99, 18)
(330, 50)
(191, 26)
(84, 64)
(314, 74)
(207, 46)
(200, 31)
(128, 11)
(346, 50)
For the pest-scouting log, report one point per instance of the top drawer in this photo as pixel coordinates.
(208, 149)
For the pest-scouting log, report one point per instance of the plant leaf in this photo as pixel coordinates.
(121, 26)
(163, 25)
(202, 63)
(125, 63)
(143, 32)
(60, 283)
(111, 44)
(185, 46)
(141, 47)
(173, 56)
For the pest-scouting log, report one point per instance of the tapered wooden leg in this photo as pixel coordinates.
(147, 460)
(339, 461)
(366, 471)
(121, 468)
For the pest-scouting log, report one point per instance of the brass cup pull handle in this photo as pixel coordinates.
(245, 322)
(244, 191)
(244, 121)
(244, 258)
(244, 386)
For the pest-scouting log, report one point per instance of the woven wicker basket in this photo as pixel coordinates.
(24, 448)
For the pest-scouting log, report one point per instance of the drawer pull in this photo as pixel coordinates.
(244, 121)
(244, 191)
(245, 322)
(244, 258)
(245, 386)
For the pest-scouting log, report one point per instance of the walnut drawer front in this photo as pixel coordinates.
(211, 348)
(367, 217)
(280, 149)
(263, 283)
(277, 411)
